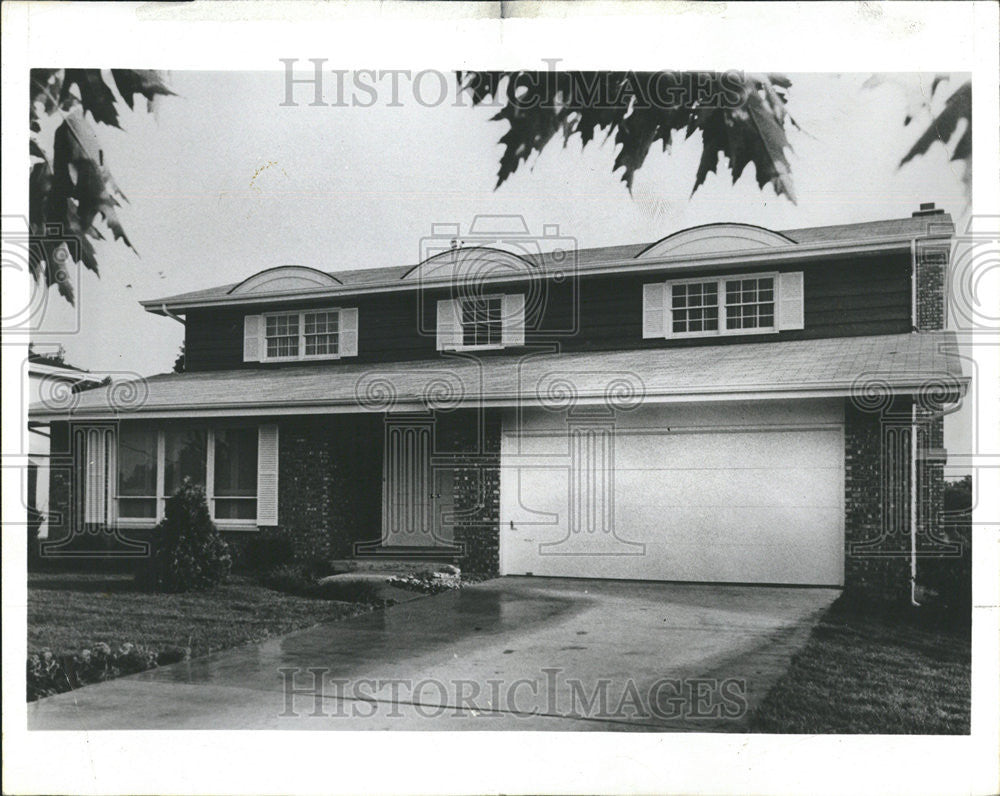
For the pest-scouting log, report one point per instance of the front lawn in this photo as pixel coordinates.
(904, 673)
(71, 612)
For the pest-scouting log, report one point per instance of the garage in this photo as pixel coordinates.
(715, 492)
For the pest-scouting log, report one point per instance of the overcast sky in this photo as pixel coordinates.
(223, 181)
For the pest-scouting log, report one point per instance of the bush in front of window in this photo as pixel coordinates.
(188, 553)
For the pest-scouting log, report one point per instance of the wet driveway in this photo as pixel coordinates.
(512, 653)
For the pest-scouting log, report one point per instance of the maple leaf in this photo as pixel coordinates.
(70, 187)
(742, 117)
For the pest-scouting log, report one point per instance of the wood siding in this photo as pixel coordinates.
(861, 296)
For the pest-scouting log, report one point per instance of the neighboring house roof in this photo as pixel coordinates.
(868, 368)
(554, 254)
(52, 370)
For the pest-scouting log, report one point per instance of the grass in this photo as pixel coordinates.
(903, 673)
(71, 612)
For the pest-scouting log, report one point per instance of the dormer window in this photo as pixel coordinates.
(282, 335)
(304, 335)
(480, 322)
(321, 333)
(750, 303)
(723, 305)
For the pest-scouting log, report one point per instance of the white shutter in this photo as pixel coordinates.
(654, 322)
(98, 474)
(512, 312)
(267, 475)
(348, 332)
(791, 314)
(253, 333)
(449, 328)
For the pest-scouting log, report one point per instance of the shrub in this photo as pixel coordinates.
(49, 674)
(951, 578)
(188, 550)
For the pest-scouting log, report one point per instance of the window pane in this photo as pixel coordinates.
(750, 303)
(282, 333)
(137, 508)
(236, 462)
(136, 462)
(482, 322)
(695, 307)
(185, 458)
(236, 509)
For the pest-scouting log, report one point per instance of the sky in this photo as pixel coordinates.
(223, 181)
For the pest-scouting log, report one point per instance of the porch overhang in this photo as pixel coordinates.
(870, 370)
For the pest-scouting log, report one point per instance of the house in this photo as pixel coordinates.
(727, 404)
(51, 382)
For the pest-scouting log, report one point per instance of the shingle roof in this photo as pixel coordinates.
(867, 367)
(595, 257)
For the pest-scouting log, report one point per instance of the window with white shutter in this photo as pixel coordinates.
(723, 305)
(480, 323)
(328, 333)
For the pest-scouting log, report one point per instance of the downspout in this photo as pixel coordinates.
(169, 314)
(913, 504)
(913, 285)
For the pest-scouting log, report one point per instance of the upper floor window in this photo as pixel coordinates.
(723, 305)
(307, 334)
(321, 333)
(750, 303)
(282, 335)
(481, 322)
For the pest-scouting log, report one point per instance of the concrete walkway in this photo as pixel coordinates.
(512, 653)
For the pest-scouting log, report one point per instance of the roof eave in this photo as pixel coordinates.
(839, 389)
(804, 252)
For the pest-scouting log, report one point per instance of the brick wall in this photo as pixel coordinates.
(876, 526)
(470, 441)
(932, 265)
(877, 499)
(329, 483)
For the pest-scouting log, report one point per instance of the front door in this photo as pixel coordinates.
(418, 499)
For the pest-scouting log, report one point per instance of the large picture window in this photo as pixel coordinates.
(152, 464)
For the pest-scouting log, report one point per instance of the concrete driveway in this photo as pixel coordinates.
(512, 653)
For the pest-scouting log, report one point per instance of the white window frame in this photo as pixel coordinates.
(301, 356)
(161, 498)
(461, 327)
(721, 331)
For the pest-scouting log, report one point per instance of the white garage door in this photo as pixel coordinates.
(677, 495)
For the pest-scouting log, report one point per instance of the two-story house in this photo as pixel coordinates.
(726, 404)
